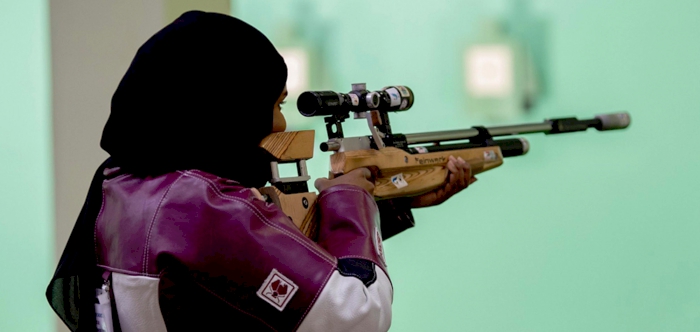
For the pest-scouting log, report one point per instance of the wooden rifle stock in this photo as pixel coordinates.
(421, 172)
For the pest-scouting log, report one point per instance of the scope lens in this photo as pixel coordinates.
(315, 103)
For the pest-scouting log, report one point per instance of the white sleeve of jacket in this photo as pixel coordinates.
(345, 304)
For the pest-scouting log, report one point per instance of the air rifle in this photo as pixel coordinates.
(403, 165)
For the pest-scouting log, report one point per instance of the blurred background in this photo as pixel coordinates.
(595, 231)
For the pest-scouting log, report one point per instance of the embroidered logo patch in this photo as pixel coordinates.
(277, 290)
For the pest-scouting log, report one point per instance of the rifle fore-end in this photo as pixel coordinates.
(421, 172)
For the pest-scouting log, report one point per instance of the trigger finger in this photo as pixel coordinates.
(366, 173)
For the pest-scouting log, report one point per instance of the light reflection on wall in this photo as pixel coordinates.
(297, 60)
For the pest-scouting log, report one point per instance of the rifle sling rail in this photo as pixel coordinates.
(510, 147)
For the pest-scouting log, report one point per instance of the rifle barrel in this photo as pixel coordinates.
(555, 126)
(455, 135)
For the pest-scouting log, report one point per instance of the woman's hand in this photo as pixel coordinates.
(458, 178)
(360, 177)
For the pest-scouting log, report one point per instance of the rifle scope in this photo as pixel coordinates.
(327, 103)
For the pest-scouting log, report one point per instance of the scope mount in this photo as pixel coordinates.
(377, 121)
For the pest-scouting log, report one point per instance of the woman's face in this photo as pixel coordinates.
(279, 124)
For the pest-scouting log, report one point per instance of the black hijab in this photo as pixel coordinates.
(199, 94)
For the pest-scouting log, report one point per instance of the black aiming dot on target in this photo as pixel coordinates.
(305, 202)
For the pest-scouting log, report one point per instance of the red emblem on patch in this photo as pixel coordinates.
(277, 290)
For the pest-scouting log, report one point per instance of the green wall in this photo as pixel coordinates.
(26, 184)
(589, 231)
